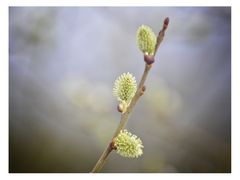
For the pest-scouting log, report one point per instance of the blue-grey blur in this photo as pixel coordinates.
(62, 65)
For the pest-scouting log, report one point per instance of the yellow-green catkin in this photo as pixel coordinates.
(128, 145)
(146, 39)
(124, 88)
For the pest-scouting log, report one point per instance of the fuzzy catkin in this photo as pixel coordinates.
(128, 145)
(146, 39)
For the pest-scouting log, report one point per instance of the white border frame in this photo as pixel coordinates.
(4, 7)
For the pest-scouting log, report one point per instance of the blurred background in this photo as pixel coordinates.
(62, 66)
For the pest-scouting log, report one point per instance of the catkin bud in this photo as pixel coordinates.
(165, 23)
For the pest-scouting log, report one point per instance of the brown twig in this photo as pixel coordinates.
(161, 34)
(125, 116)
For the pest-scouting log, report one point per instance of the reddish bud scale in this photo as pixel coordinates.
(148, 59)
(112, 145)
(165, 23)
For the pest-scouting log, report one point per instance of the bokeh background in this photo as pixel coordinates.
(62, 65)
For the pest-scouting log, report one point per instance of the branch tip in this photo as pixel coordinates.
(166, 21)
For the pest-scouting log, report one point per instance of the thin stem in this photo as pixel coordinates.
(123, 122)
(125, 116)
(102, 159)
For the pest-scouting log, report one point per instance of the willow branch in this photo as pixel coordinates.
(124, 119)
(125, 116)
